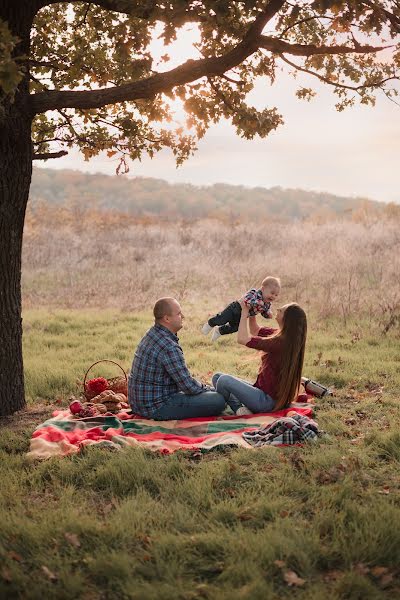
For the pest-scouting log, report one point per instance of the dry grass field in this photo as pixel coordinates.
(344, 268)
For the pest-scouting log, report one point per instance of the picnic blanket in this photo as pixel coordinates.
(63, 434)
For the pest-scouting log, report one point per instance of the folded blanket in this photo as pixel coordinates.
(288, 430)
(63, 434)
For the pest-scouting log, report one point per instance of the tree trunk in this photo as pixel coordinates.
(15, 178)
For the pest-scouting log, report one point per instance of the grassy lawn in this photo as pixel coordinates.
(322, 521)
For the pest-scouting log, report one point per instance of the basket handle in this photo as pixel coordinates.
(96, 363)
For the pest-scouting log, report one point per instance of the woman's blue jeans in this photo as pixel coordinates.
(238, 392)
(183, 406)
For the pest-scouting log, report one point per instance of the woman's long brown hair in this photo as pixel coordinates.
(293, 335)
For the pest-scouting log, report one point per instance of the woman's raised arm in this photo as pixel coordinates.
(253, 326)
(243, 335)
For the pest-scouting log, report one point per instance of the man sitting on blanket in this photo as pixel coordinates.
(160, 386)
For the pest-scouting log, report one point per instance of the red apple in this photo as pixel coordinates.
(75, 407)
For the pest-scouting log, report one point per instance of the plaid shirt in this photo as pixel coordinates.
(284, 431)
(254, 300)
(159, 371)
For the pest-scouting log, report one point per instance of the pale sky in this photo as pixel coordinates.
(352, 153)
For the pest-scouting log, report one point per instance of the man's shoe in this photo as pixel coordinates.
(243, 410)
(215, 335)
(206, 329)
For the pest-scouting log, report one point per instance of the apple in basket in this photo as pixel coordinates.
(75, 407)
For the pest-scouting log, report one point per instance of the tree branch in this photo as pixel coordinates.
(191, 70)
(126, 7)
(130, 7)
(47, 155)
(355, 88)
(221, 95)
(278, 46)
(393, 19)
(302, 21)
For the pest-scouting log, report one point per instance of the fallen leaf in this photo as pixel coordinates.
(280, 563)
(297, 461)
(386, 579)
(292, 578)
(108, 508)
(357, 440)
(379, 571)
(146, 557)
(15, 556)
(49, 574)
(6, 574)
(245, 516)
(284, 513)
(331, 475)
(73, 539)
(332, 575)
(196, 455)
(361, 569)
(145, 540)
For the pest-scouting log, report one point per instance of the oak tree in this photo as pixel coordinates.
(82, 74)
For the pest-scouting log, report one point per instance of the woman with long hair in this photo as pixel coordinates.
(279, 376)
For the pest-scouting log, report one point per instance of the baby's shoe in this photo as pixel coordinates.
(206, 329)
(243, 410)
(215, 335)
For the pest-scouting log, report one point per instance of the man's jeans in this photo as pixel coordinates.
(228, 319)
(238, 392)
(183, 406)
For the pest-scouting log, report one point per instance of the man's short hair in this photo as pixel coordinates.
(162, 307)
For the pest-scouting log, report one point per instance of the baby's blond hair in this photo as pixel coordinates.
(271, 282)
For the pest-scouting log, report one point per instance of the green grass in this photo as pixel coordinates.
(137, 525)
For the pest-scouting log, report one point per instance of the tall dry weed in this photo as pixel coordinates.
(78, 258)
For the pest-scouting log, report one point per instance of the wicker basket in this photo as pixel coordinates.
(119, 384)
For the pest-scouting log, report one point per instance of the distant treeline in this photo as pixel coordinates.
(145, 196)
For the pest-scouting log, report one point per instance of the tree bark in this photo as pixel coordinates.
(15, 178)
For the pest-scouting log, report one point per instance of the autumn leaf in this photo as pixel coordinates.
(73, 539)
(386, 579)
(379, 571)
(361, 569)
(15, 556)
(340, 25)
(146, 557)
(332, 575)
(292, 578)
(49, 574)
(6, 574)
(87, 153)
(245, 516)
(280, 563)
